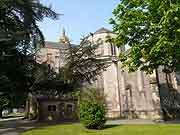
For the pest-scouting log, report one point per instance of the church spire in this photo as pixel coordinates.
(63, 38)
(63, 32)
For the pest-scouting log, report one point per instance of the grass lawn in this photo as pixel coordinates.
(77, 129)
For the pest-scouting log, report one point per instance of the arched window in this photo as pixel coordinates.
(100, 49)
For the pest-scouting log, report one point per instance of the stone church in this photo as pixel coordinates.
(128, 95)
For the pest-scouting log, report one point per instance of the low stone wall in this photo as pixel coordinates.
(142, 115)
(152, 114)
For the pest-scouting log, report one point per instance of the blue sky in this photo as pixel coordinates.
(80, 17)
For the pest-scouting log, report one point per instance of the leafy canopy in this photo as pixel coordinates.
(151, 28)
(19, 38)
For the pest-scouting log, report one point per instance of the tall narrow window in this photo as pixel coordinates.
(169, 80)
(113, 50)
(49, 68)
(49, 57)
(57, 62)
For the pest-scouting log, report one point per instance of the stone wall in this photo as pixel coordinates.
(55, 58)
(58, 110)
(128, 95)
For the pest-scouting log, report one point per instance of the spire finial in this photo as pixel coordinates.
(63, 38)
(63, 32)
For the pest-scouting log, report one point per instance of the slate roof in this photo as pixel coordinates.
(56, 45)
(103, 30)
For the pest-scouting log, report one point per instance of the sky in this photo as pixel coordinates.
(80, 17)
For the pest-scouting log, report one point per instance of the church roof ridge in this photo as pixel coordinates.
(103, 30)
(56, 45)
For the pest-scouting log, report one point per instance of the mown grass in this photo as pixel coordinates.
(77, 129)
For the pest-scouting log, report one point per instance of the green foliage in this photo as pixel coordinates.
(92, 115)
(4, 95)
(151, 28)
(5, 85)
(92, 109)
(93, 95)
(19, 38)
(19, 23)
(4, 102)
(83, 64)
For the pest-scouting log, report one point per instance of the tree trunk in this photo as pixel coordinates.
(26, 109)
(1, 113)
(157, 80)
(169, 80)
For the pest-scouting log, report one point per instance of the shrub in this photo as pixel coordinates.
(92, 112)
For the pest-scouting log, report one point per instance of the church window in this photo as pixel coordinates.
(49, 68)
(57, 60)
(100, 49)
(51, 108)
(69, 108)
(113, 50)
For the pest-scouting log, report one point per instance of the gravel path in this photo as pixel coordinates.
(15, 126)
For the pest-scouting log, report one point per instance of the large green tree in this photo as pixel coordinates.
(151, 29)
(19, 38)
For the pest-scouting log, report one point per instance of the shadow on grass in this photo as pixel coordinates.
(110, 126)
(87, 130)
